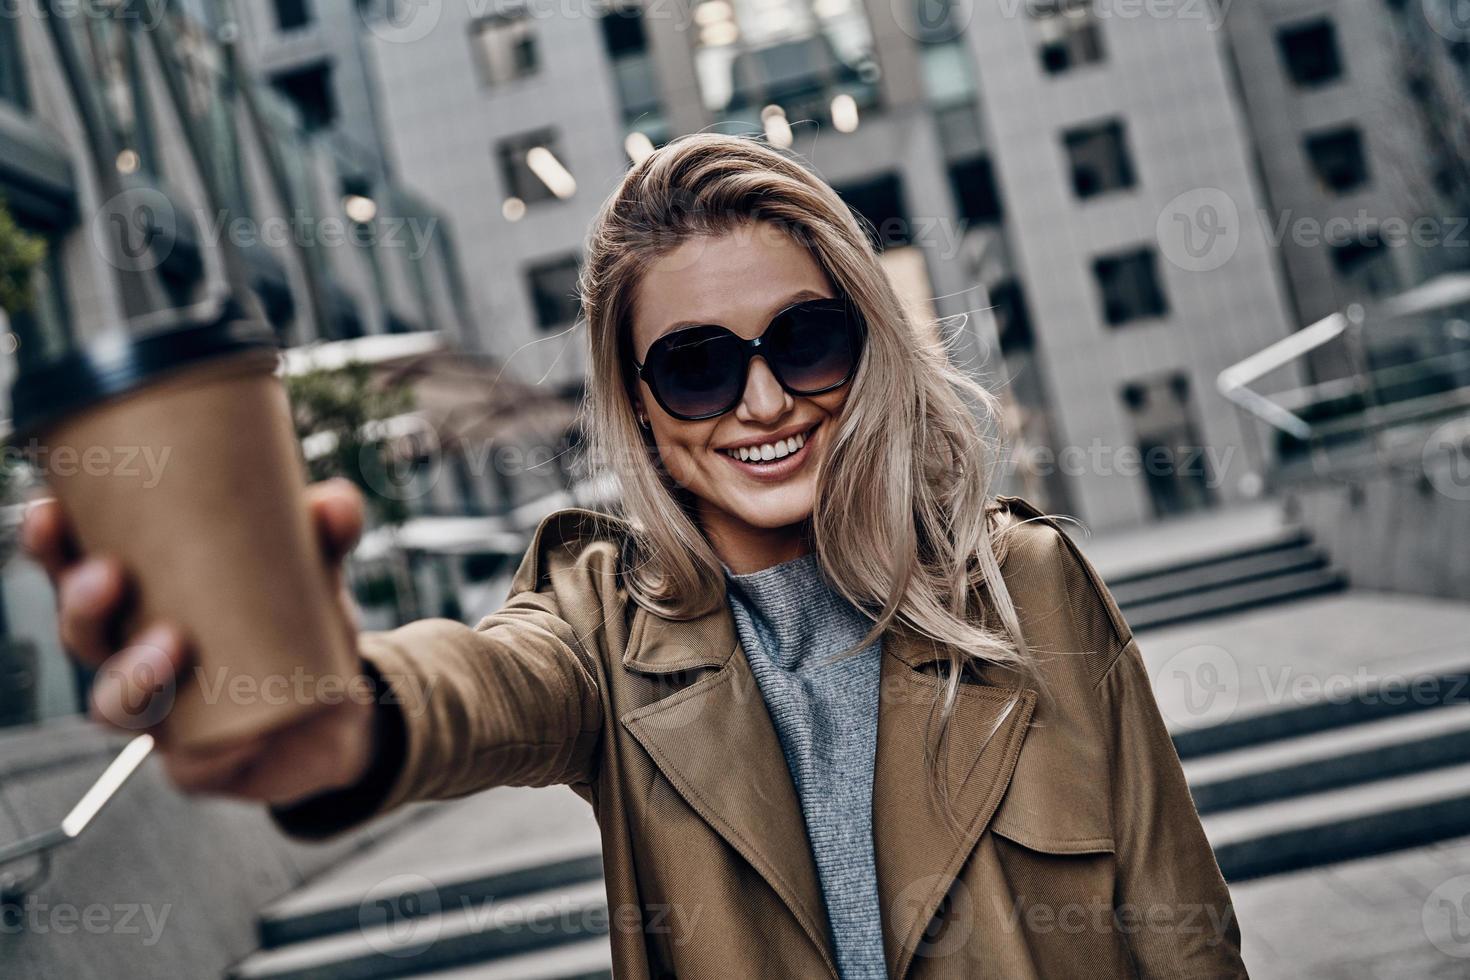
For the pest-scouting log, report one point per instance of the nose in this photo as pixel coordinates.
(764, 400)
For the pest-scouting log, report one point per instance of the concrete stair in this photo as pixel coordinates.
(1278, 566)
(536, 914)
(1313, 784)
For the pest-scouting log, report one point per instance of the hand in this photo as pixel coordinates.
(328, 749)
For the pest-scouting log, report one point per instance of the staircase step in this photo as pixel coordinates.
(1445, 685)
(1341, 824)
(1217, 574)
(1331, 759)
(1234, 598)
(537, 866)
(587, 959)
(1279, 539)
(459, 934)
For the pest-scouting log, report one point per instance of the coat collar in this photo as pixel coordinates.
(715, 744)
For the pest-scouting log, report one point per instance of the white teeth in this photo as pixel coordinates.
(768, 451)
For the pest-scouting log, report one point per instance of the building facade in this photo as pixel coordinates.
(1357, 112)
(1014, 167)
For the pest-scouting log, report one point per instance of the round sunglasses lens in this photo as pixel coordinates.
(697, 371)
(813, 348)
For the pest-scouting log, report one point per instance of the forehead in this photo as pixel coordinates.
(736, 279)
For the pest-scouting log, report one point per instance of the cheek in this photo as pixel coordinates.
(682, 447)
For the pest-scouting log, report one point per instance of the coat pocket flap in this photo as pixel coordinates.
(1038, 841)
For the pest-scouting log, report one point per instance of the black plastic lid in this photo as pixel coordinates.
(45, 393)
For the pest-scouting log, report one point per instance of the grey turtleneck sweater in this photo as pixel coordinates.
(790, 620)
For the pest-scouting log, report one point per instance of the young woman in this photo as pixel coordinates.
(839, 711)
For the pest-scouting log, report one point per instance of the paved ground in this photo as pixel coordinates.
(1401, 916)
(1117, 553)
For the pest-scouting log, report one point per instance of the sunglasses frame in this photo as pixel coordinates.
(749, 349)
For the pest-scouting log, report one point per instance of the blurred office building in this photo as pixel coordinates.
(1013, 168)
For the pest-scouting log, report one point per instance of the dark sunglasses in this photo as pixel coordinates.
(699, 372)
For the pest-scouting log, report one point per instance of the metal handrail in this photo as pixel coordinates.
(1234, 383)
(102, 790)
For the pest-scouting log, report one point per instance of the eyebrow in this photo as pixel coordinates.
(800, 296)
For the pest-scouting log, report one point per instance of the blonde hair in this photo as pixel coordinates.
(902, 523)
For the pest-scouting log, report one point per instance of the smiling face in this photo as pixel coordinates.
(752, 509)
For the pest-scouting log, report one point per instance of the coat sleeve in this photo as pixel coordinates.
(1171, 901)
(513, 702)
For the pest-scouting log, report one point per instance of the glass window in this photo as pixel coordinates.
(1310, 53)
(1129, 285)
(1338, 159)
(292, 15)
(974, 187)
(880, 201)
(310, 90)
(504, 47)
(554, 292)
(1099, 159)
(12, 68)
(1070, 35)
(750, 54)
(532, 167)
(948, 76)
(1366, 264)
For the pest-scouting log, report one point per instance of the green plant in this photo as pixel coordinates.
(20, 254)
(345, 403)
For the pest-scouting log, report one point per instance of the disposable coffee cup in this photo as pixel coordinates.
(176, 454)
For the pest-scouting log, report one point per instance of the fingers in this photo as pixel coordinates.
(134, 690)
(209, 771)
(337, 511)
(89, 598)
(46, 535)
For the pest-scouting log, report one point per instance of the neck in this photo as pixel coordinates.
(745, 549)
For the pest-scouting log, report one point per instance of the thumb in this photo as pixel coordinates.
(336, 508)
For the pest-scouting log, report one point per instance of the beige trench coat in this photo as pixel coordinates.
(1071, 847)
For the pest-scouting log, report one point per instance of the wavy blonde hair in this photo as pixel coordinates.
(902, 524)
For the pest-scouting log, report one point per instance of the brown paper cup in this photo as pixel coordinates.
(195, 483)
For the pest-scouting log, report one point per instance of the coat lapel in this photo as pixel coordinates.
(715, 744)
(923, 834)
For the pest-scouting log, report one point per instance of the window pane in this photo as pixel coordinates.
(504, 47)
(1310, 53)
(1129, 286)
(293, 14)
(753, 53)
(554, 293)
(1099, 159)
(520, 179)
(1069, 34)
(1338, 159)
(310, 90)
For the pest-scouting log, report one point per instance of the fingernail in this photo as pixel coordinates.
(86, 584)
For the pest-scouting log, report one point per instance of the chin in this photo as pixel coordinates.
(780, 510)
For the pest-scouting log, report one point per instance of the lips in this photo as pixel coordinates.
(777, 468)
